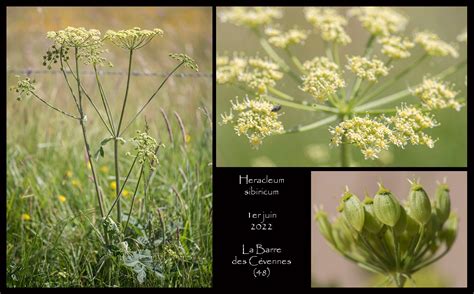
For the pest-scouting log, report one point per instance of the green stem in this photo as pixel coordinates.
(97, 110)
(383, 101)
(376, 111)
(273, 55)
(117, 181)
(86, 142)
(345, 148)
(295, 61)
(126, 92)
(312, 126)
(133, 198)
(301, 106)
(395, 79)
(355, 89)
(67, 81)
(116, 161)
(425, 264)
(53, 107)
(121, 188)
(105, 101)
(280, 94)
(151, 98)
(328, 51)
(369, 46)
(336, 54)
(396, 249)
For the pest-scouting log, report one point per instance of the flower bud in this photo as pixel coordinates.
(443, 203)
(386, 207)
(420, 205)
(371, 223)
(353, 211)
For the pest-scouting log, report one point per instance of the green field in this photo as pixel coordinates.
(54, 233)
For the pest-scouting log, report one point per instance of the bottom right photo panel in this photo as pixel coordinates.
(389, 229)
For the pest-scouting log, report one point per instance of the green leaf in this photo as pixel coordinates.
(105, 141)
(100, 152)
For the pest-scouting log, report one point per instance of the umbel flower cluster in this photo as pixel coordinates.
(396, 240)
(146, 147)
(256, 119)
(349, 89)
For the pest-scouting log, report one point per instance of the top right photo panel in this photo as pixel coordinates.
(341, 87)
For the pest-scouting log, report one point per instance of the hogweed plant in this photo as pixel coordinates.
(348, 89)
(396, 240)
(71, 49)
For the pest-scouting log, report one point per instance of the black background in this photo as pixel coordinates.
(291, 228)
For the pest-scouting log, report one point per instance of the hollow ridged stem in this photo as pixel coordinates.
(345, 148)
(116, 161)
(86, 142)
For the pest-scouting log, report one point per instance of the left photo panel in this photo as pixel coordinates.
(109, 147)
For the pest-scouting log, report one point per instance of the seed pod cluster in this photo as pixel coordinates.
(54, 54)
(388, 237)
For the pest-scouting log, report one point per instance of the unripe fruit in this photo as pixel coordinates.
(371, 223)
(386, 207)
(420, 205)
(412, 225)
(325, 226)
(353, 211)
(443, 203)
(401, 225)
(450, 230)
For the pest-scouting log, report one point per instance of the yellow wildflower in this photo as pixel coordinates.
(104, 169)
(62, 198)
(25, 217)
(69, 174)
(125, 193)
(76, 183)
(113, 185)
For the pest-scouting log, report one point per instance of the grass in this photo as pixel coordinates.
(61, 245)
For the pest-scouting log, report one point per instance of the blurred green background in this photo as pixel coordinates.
(312, 148)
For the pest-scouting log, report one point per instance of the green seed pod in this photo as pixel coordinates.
(386, 207)
(412, 225)
(325, 226)
(401, 225)
(443, 202)
(450, 230)
(371, 223)
(420, 205)
(342, 243)
(353, 211)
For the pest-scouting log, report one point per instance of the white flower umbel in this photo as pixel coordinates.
(434, 46)
(253, 118)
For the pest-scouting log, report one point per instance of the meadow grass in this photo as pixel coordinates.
(54, 236)
(59, 245)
